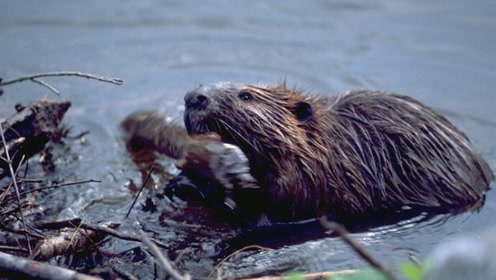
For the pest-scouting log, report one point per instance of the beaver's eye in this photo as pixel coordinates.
(245, 96)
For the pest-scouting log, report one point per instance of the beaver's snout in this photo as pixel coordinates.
(196, 100)
(197, 103)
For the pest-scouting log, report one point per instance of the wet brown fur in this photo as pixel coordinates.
(347, 155)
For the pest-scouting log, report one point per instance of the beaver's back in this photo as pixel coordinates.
(391, 150)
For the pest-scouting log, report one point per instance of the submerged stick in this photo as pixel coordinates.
(162, 260)
(344, 234)
(141, 189)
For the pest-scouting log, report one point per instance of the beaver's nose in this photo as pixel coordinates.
(196, 100)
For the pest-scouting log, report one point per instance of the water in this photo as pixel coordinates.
(441, 53)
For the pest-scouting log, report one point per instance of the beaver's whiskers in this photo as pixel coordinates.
(230, 130)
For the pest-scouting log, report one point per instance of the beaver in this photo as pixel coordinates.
(346, 155)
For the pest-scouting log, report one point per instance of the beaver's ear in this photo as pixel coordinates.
(303, 111)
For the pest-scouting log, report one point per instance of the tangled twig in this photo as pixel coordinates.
(16, 188)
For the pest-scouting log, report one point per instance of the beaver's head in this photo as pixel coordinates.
(258, 119)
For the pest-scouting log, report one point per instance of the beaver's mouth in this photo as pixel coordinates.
(196, 122)
(200, 122)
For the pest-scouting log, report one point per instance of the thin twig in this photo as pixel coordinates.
(13, 175)
(5, 194)
(141, 189)
(115, 81)
(120, 234)
(20, 231)
(25, 180)
(180, 255)
(40, 82)
(414, 260)
(10, 210)
(12, 249)
(11, 145)
(61, 185)
(344, 234)
(162, 260)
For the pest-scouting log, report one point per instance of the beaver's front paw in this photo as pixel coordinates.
(208, 158)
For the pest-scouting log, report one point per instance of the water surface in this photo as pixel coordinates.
(441, 53)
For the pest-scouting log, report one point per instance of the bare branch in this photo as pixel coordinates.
(45, 85)
(115, 81)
